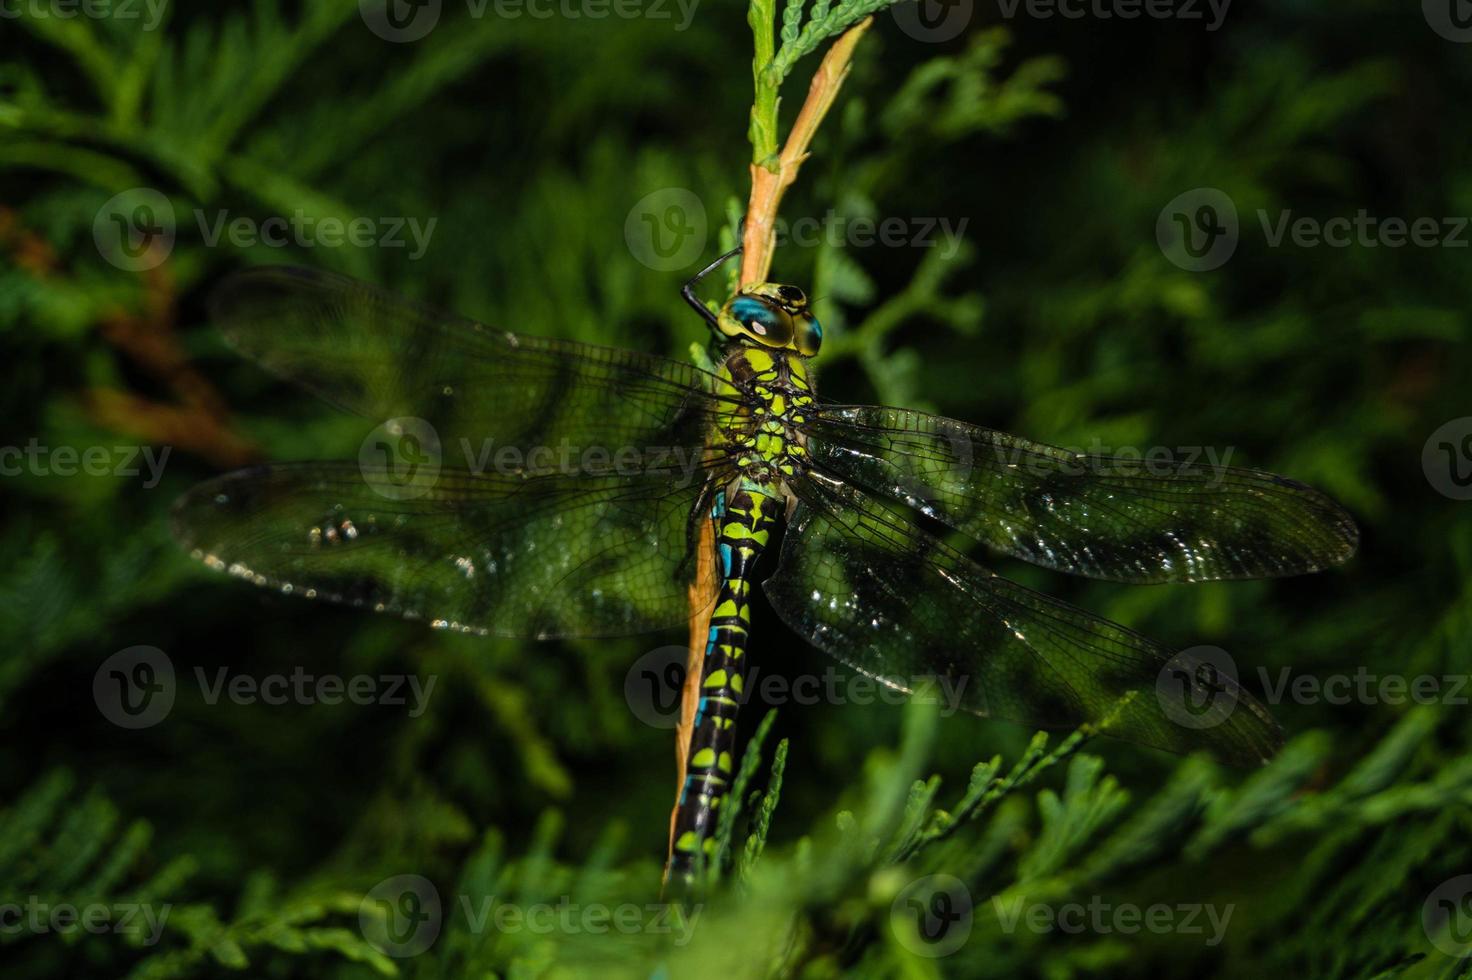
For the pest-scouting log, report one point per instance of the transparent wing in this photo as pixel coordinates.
(384, 357)
(519, 486)
(1129, 520)
(897, 604)
(558, 555)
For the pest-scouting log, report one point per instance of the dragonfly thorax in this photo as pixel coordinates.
(764, 430)
(772, 315)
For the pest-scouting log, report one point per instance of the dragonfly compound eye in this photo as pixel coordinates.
(809, 336)
(757, 318)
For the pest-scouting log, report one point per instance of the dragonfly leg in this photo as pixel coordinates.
(688, 291)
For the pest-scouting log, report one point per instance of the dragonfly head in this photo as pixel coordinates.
(772, 315)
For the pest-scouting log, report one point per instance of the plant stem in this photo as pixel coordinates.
(772, 174)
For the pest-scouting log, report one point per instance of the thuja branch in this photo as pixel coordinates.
(773, 172)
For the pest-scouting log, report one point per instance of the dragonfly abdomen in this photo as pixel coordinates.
(745, 519)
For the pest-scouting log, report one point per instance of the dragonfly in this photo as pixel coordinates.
(858, 522)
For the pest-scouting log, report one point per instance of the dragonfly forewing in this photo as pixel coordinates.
(1131, 519)
(512, 485)
(383, 357)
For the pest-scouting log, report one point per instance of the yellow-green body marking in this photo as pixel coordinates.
(769, 391)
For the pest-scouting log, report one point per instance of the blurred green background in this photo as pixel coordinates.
(548, 152)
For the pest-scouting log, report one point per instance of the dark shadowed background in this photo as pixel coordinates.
(991, 220)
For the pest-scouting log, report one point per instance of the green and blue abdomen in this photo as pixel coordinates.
(744, 520)
(773, 391)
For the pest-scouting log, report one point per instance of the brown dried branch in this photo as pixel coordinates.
(768, 185)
